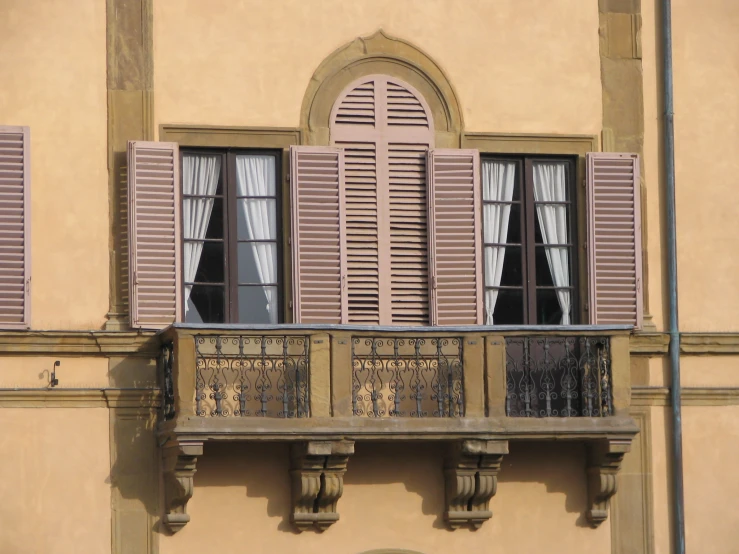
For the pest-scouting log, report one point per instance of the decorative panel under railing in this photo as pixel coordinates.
(558, 377)
(264, 376)
(407, 377)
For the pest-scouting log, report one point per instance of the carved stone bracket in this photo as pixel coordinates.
(317, 473)
(604, 461)
(178, 460)
(471, 480)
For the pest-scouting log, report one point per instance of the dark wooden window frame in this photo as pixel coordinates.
(230, 230)
(527, 219)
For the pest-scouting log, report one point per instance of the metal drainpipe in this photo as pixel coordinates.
(669, 157)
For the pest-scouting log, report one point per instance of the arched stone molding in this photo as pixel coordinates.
(380, 54)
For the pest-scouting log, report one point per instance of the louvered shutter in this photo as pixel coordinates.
(455, 237)
(614, 239)
(318, 220)
(15, 228)
(385, 130)
(154, 233)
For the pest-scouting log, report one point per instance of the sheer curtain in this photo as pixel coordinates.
(550, 185)
(498, 181)
(200, 173)
(255, 176)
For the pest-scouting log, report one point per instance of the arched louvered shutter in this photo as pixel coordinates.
(614, 239)
(15, 228)
(319, 252)
(455, 237)
(385, 130)
(154, 233)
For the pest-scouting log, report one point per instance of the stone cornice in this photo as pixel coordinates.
(80, 398)
(691, 396)
(76, 343)
(656, 344)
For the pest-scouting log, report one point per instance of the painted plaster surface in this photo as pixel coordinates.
(517, 67)
(52, 59)
(54, 481)
(710, 371)
(393, 498)
(661, 480)
(706, 51)
(711, 439)
(34, 371)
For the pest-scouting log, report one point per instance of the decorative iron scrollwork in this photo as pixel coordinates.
(408, 377)
(165, 364)
(262, 376)
(558, 377)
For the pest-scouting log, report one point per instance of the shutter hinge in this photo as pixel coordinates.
(290, 241)
(584, 183)
(587, 307)
(290, 304)
(433, 282)
(343, 282)
(28, 285)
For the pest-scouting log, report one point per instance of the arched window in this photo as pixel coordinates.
(385, 129)
(386, 229)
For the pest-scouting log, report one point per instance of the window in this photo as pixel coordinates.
(529, 237)
(231, 236)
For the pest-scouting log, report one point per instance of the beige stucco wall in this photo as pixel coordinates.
(393, 497)
(706, 49)
(711, 446)
(52, 62)
(517, 66)
(54, 481)
(34, 371)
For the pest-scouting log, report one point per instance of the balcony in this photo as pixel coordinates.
(322, 388)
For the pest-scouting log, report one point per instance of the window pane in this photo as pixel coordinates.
(556, 220)
(559, 265)
(508, 306)
(201, 174)
(202, 218)
(206, 304)
(256, 219)
(257, 262)
(257, 304)
(510, 273)
(498, 180)
(204, 262)
(256, 175)
(548, 309)
(501, 223)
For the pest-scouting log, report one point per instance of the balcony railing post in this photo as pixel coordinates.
(320, 375)
(341, 375)
(184, 374)
(474, 376)
(495, 376)
(620, 374)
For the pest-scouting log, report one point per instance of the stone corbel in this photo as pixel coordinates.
(604, 461)
(317, 473)
(471, 480)
(178, 460)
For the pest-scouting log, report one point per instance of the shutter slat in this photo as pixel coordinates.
(15, 228)
(318, 217)
(154, 230)
(455, 237)
(614, 239)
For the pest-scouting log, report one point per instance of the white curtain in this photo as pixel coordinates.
(255, 176)
(550, 185)
(200, 173)
(498, 181)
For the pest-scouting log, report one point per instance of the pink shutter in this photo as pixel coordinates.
(154, 233)
(15, 228)
(614, 239)
(408, 233)
(455, 237)
(318, 247)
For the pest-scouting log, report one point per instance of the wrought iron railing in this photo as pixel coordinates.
(264, 376)
(558, 377)
(166, 357)
(407, 377)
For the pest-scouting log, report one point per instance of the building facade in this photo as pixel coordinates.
(351, 277)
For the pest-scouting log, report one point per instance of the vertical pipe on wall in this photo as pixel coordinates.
(669, 168)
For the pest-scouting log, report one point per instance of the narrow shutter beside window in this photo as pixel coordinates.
(614, 239)
(154, 233)
(15, 228)
(318, 248)
(455, 237)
